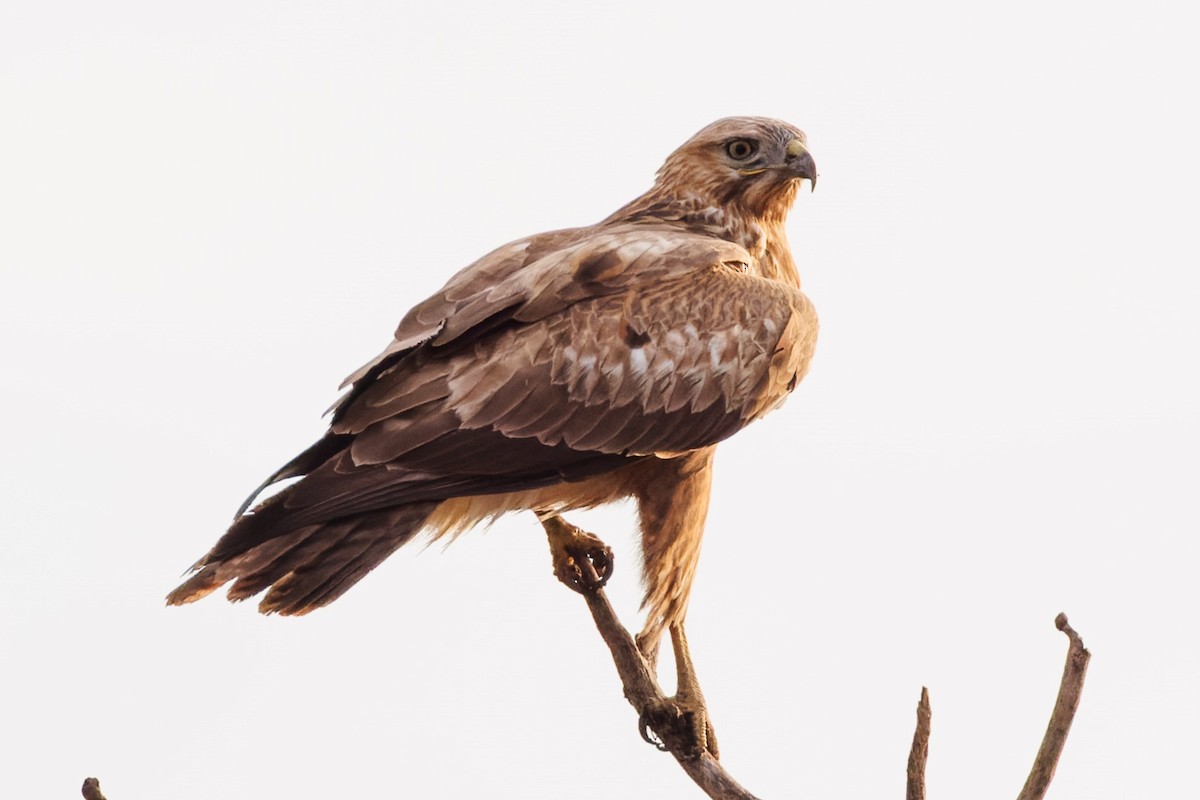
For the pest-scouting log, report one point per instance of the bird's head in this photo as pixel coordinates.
(754, 163)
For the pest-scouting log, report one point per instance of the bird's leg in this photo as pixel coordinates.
(581, 560)
(687, 691)
(683, 716)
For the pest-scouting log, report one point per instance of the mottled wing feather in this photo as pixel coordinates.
(668, 364)
(532, 278)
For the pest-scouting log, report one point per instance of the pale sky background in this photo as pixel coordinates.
(211, 213)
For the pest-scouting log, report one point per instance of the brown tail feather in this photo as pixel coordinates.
(248, 567)
(272, 563)
(309, 567)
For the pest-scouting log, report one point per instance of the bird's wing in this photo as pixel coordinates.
(531, 278)
(629, 343)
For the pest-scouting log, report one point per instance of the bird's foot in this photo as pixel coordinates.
(680, 726)
(581, 560)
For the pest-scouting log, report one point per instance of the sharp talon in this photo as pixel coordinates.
(648, 734)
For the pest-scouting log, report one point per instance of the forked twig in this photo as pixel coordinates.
(1069, 692)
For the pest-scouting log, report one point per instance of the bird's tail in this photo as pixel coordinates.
(305, 568)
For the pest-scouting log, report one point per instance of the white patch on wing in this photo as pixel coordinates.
(612, 377)
(637, 361)
(716, 350)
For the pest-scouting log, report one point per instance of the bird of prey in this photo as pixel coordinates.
(561, 371)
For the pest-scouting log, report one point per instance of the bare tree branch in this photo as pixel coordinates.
(1069, 692)
(919, 753)
(91, 789)
(669, 724)
(676, 733)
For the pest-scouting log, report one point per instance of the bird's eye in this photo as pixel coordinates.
(740, 149)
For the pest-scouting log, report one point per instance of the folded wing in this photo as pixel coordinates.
(553, 359)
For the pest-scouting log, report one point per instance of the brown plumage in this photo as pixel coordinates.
(560, 371)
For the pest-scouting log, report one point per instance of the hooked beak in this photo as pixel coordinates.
(800, 161)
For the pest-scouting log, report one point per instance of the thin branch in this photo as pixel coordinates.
(1069, 692)
(643, 693)
(919, 754)
(91, 789)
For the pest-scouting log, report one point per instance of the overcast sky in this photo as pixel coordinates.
(211, 213)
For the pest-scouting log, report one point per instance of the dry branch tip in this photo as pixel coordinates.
(91, 789)
(1069, 692)
(918, 755)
